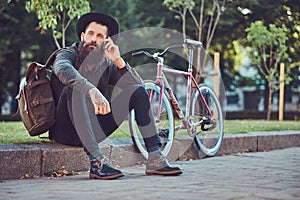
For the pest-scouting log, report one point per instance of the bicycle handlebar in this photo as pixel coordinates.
(138, 53)
(188, 42)
(194, 43)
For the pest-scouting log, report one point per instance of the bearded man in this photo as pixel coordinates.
(87, 111)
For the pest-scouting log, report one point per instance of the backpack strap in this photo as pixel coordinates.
(51, 58)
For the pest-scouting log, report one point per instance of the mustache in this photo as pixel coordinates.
(87, 44)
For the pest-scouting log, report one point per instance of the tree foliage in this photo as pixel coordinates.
(54, 13)
(270, 45)
(269, 49)
(181, 7)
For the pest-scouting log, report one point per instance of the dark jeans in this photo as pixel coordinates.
(76, 123)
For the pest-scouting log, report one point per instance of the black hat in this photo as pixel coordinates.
(104, 19)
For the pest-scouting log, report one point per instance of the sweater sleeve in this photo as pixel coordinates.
(127, 76)
(64, 69)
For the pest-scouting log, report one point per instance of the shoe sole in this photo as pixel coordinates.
(165, 173)
(110, 177)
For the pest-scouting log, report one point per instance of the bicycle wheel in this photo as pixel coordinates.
(209, 133)
(163, 118)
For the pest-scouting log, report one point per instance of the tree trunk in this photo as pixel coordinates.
(269, 102)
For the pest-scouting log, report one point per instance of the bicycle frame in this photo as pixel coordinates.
(191, 84)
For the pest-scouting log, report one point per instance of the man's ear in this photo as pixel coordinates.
(82, 36)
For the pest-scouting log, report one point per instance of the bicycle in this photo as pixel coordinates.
(203, 118)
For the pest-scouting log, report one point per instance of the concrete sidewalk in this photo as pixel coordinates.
(244, 176)
(17, 160)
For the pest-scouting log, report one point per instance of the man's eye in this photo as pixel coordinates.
(100, 36)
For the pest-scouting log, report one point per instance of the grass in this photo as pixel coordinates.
(14, 132)
(246, 126)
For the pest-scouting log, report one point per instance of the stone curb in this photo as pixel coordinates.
(16, 160)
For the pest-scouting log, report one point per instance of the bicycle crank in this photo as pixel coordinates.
(208, 122)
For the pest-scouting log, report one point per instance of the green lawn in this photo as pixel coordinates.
(246, 126)
(14, 132)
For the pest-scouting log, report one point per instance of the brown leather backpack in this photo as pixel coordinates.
(35, 98)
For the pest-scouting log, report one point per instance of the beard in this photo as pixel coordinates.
(90, 55)
(89, 45)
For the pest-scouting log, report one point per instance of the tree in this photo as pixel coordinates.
(181, 7)
(209, 16)
(55, 13)
(269, 49)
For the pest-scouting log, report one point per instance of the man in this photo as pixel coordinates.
(87, 112)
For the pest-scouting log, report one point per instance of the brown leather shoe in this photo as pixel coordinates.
(158, 164)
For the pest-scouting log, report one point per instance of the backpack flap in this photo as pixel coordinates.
(33, 71)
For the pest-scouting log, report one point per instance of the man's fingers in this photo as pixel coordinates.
(96, 109)
(102, 109)
(106, 109)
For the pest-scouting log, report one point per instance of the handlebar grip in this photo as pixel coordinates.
(138, 53)
(193, 42)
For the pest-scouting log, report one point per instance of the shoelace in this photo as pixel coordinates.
(101, 162)
(162, 159)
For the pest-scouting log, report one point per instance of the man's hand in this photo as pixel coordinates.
(101, 105)
(112, 52)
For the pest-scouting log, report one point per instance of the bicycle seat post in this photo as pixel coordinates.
(191, 52)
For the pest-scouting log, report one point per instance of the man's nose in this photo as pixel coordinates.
(94, 38)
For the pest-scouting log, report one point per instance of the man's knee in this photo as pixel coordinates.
(140, 94)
